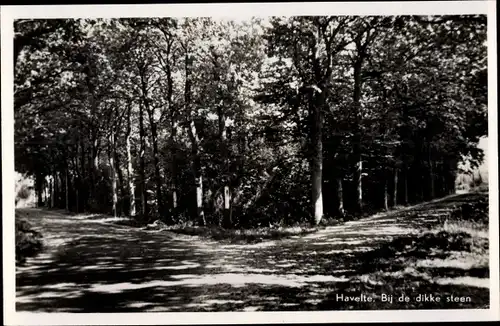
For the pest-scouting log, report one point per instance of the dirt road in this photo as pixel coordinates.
(90, 265)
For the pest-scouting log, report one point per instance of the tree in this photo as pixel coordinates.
(311, 50)
(239, 124)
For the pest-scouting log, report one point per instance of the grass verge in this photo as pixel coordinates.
(243, 235)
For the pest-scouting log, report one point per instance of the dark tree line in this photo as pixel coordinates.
(251, 123)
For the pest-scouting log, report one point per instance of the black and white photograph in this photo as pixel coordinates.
(322, 162)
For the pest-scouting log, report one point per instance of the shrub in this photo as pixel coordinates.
(28, 241)
(473, 211)
(24, 192)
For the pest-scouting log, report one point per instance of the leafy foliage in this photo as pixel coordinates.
(28, 241)
(244, 124)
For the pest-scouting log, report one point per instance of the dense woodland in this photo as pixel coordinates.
(247, 123)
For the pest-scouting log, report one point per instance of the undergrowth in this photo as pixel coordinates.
(28, 241)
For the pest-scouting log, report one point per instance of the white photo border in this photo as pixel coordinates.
(239, 10)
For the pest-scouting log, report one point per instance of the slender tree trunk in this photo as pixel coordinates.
(359, 185)
(45, 195)
(158, 179)
(195, 141)
(119, 173)
(154, 141)
(451, 177)
(173, 170)
(39, 189)
(66, 188)
(130, 168)
(405, 184)
(432, 194)
(84, 180)
(91, 175)
(317, 155)
(94, 165)
(340, 197)
(47, 191)
(357, 138)
(59, 190)
(56, 190)
(395, 192)
(442, 180)
(77, 200)
(173, 135)
(225, 177)
(197, 174)
(52, 192)
(199, 199)
(113, 174)
(227, 206)
(97, 158)
(422, 187)
(432, 184)
(386, 194)
(174, 201)
(142, 164)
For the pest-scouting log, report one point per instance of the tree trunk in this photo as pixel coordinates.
(195, 141)
(395, 192)
(130, 168)
(340, 197)
(119, 173)
(227, 206)
(386, 194)
(94, 165)
(199, 200)
(76, 177)
(173, 170)
(45, 193)
(77, 199)
(359, 186)
(357, 138)
(112, 167)
(66, 188)
(432, 194)
(200, 214)
(84, 181)
(405, 188)
(442, 180)
(154, 141)
(317, 155)
(39, 190)
(173, 135)
(225, 167)
(52, 191)
(57, 190)
(422, 188)
(60, 189)
(156, 159)
(142, 164)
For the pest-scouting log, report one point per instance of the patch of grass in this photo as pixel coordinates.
(449, 258)
(135, 223)
(471, 218)
(473, 229)
(243, 235)
(424, 245)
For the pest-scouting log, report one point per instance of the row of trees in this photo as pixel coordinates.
(251, 122)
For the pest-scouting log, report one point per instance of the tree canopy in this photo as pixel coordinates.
(266, 121)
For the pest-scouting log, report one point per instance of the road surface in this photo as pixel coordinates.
(90, 265)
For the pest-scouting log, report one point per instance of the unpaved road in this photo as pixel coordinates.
(93, 266)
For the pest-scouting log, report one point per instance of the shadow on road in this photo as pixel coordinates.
(97, 267)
